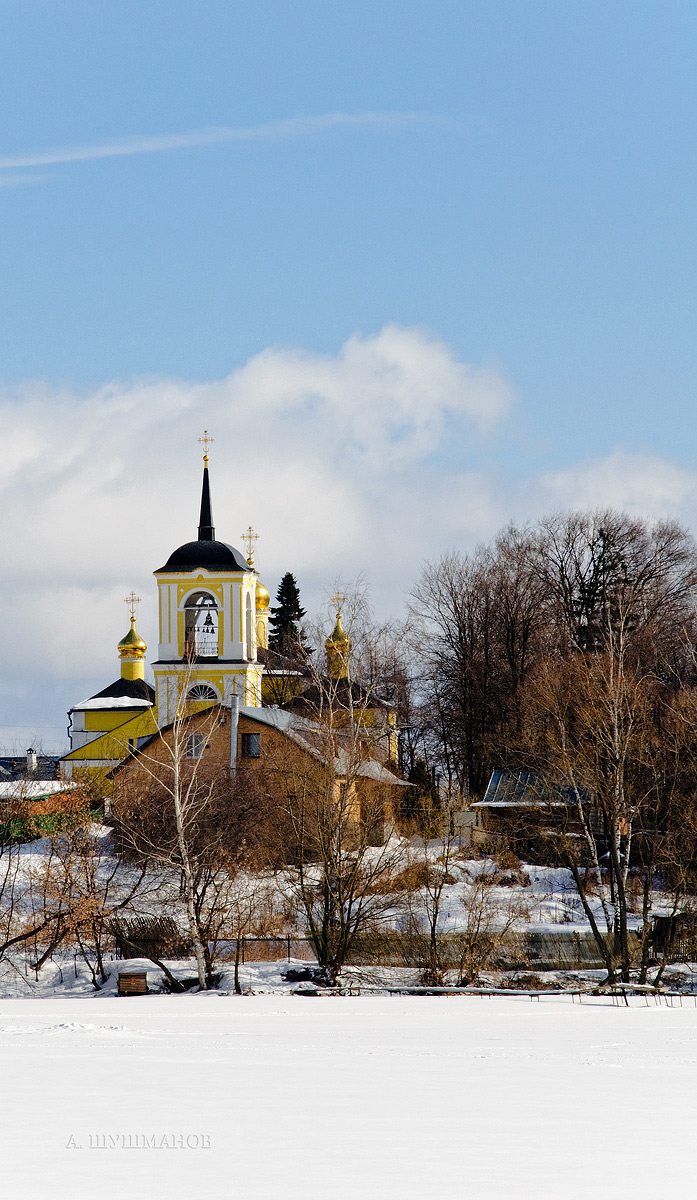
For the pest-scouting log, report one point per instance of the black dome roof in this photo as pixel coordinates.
(214, 556)
(206, 552)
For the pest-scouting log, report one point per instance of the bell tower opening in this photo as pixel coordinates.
(200, 626)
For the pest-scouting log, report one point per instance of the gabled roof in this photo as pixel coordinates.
(307, 735)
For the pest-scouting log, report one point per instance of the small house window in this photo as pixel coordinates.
(195, 745)
(251, 745)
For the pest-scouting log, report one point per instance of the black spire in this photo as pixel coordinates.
(206, 529)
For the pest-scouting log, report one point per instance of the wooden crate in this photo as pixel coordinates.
(133, 983)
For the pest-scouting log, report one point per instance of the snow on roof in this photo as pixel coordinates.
(371, 769)
(32, 789)
(308, 734)
(110, 702)
(279, 718)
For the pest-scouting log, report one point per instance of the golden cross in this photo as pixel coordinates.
(131, 601)
(338, 599)
(206, 441)
(250, 538)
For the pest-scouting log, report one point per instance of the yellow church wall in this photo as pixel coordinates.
(279, 689)
(249, 675)
(102, 721)
(113, 744)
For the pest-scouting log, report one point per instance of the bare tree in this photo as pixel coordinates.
(615, 759)
(179, 809)
(249, 910)
(83, 880)
(481, 623)
(605, 573)
(477, 625)
(434, 846)
(335, 801)
(32, 911)
(489, 918)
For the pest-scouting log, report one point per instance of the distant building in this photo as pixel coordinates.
(288, 751)
(516, 813)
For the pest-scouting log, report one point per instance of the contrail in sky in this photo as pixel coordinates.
(216, 135)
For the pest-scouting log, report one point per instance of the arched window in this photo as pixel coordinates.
(201, 626)
(201, 691)
(195, 745)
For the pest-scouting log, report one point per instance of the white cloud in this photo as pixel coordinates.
(293, 127)
(331, 458)
(637, 482)
(343, 464)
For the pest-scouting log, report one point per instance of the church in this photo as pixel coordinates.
(213, 617)
(213, 614)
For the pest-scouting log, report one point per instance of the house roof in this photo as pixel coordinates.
(32, 789)
(306, 734)
(122, 693)
(310, 736)
(525, 789)
(15, 767)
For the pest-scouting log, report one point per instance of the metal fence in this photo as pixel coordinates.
(565, 950)
(270, 949)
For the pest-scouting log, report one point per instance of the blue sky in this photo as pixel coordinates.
(509, 185)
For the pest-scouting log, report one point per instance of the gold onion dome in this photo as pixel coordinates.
(132, 645)
(338, 638)
(262, 597)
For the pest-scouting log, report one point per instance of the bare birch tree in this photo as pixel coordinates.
(180, 810)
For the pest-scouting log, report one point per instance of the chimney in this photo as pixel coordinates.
(234, 724)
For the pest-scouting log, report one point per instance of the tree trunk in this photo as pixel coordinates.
(194, 930)
(238, 954)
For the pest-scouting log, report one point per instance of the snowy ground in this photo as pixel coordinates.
(283, 1097)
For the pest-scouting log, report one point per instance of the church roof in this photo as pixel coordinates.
(205, 551)
(214, 556)
(122, 693)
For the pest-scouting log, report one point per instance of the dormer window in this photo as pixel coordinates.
(201, 626)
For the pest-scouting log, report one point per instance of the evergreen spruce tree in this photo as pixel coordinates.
(286, 636)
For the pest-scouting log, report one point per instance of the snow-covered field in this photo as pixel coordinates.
(282, 1096)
